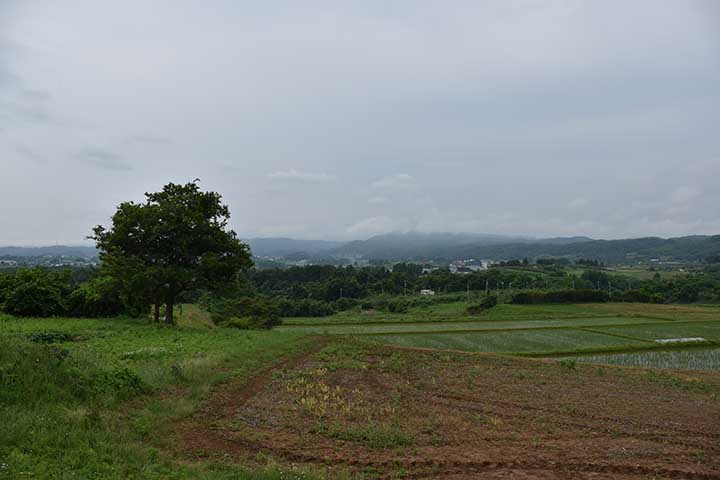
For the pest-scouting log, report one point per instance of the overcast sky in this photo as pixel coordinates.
(343, 119)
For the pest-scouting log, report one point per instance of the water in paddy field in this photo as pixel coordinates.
(691, 359)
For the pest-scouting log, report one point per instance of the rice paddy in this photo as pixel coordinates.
(536, 330)
(688, 359)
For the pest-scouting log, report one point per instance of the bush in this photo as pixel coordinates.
(35, 292)
(345, 303)
(637, 296)
(96, 298)
(561, 296)
(397, 306)
(250, 313)
(486, 304)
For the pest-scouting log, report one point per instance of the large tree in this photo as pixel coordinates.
(177, 240)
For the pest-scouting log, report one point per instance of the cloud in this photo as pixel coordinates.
(294, 175)
(372, 226)
(378, 200)
(400, 181)
(578, 203)
(536, 118)
(104, 159)
(684, 194)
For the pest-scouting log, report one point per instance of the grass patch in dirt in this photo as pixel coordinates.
(374, 435)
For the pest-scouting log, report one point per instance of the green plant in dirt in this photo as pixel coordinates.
(568, 364)
(374, 435)
(317, 398)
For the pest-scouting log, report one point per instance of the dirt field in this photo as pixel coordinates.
(383, 412)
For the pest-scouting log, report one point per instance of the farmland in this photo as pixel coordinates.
(365, 395)
(542, 330)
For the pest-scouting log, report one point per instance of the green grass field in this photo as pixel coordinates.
(465, 326)
(528, 342)
(525, 329)
(84, 398)
(688, 359)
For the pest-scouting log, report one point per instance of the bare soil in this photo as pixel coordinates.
(400, 413)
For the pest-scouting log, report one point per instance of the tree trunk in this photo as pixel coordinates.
(156, 312)
(169, 307)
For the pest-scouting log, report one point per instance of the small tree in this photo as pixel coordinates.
(176, 241)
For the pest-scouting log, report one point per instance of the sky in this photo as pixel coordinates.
(333, 119)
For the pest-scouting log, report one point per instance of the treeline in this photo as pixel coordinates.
(259, 298)
(42, 292)
(322, 290)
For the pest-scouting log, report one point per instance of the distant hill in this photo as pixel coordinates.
(412, 245)
(416, 245)
(55, 251)
(282, 247)
(691, 248)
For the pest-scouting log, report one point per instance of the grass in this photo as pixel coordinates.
(95, 407)
(688, 359)
(98, 398)
(374, 435)
(708, 330)
(454, 312)
(524, 342)
(525, 329)
(466, 326)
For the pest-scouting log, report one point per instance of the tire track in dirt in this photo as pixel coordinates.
(663, 429)
(234, 394)
(202, 436)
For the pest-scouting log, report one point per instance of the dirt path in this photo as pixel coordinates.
(433, 414)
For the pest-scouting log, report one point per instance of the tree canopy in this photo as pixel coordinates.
(177, 240)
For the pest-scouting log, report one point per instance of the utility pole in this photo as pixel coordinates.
(405, 287)
(341, 292)
(468, 290)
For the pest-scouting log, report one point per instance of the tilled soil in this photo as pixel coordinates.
(389, 413)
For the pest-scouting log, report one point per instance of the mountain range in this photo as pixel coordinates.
(416, 246)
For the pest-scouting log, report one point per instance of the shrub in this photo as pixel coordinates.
(36, 292)
(486, 304)
(244, 312)
(96, 298)
(397, 306)
(638, 296)
(345, 303)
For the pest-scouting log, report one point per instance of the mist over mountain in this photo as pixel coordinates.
(416, 246)
(278, 247)
(445, 247)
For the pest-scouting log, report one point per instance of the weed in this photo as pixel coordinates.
(568, 364)
(374, 435)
